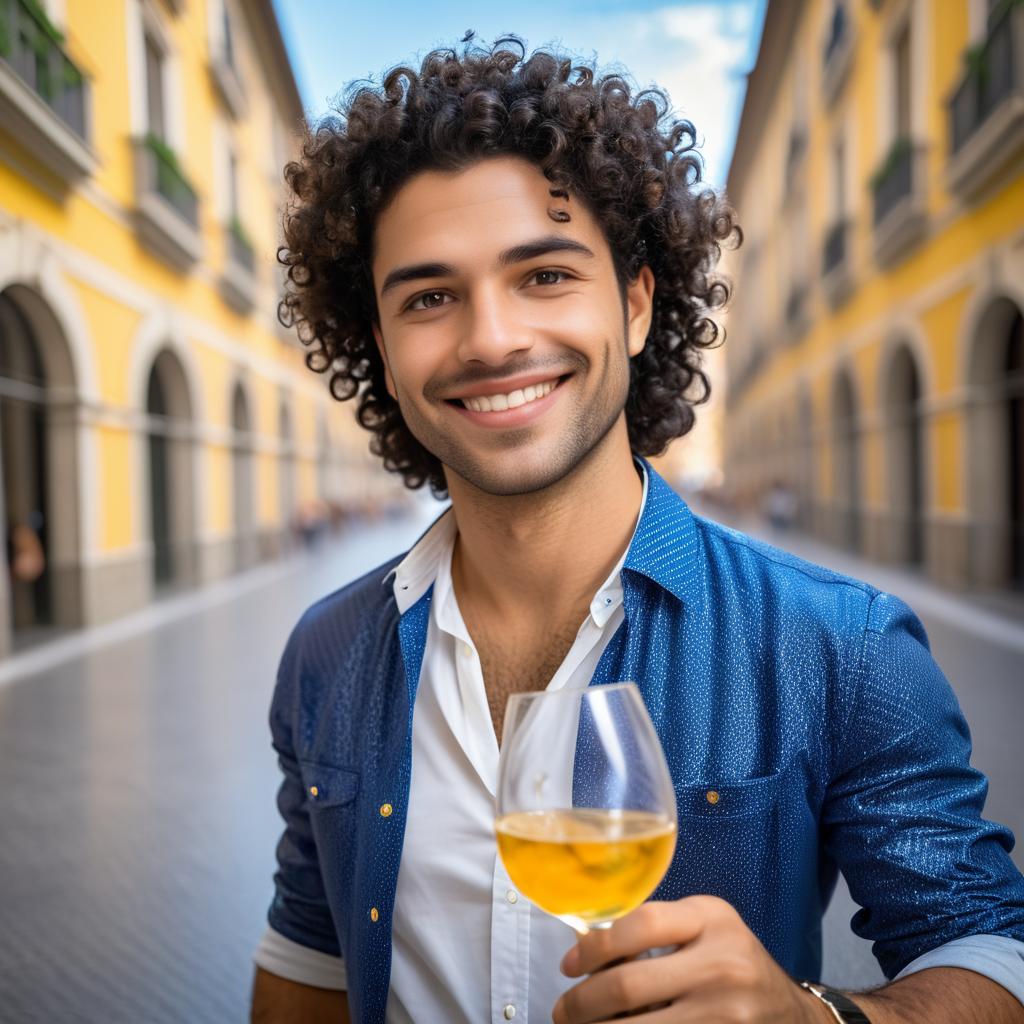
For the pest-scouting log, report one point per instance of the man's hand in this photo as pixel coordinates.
(720, 972)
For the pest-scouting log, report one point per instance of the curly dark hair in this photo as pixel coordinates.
(615, 148)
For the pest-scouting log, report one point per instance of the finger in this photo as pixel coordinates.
(625, 988)
(653, 924)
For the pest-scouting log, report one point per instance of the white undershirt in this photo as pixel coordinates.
(466, 947)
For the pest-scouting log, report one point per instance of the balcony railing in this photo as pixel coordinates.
(34, 49)
(991, 77)
(986, 112)
(900, 213)
(166, 204)
(170, 181)
(894, 180)
(43, 93)
(238, 283)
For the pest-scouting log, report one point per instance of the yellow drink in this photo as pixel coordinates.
(586, 865)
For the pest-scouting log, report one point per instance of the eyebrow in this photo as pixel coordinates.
(516, 254)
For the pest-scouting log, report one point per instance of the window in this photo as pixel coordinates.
(902, 82)
(839, 180)
(227, 40)
(156, 118)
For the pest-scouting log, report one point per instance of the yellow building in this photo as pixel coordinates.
(876, 339)
(158, 427)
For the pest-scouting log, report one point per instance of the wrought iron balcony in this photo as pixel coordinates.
(986, 112)
(238, 282)
(166, 205)
(43, 93)
(898, 189)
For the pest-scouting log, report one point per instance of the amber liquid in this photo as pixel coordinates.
(586, 866)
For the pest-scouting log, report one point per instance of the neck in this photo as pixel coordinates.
(546, 553)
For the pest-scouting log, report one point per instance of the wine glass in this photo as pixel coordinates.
(585, 809)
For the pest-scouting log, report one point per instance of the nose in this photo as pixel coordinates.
(492, 330)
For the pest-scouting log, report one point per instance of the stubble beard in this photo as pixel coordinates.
(587, 432)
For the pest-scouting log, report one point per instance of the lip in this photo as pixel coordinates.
(506, 385)
(508, 419)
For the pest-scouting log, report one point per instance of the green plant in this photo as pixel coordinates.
(164, 153)
(239, 231)
(43, 22)
(898, 151)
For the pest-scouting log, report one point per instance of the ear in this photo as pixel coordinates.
(640, 309)
(388, 379)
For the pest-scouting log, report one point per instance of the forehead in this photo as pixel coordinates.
(473, 213)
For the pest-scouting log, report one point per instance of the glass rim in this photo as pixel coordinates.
(578, 691)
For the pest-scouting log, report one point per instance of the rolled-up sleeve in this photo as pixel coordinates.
(299, 910)
(903, 814)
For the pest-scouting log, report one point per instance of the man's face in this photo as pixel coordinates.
(503, 330)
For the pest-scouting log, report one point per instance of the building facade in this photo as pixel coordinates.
(876, 339)
(157, 425)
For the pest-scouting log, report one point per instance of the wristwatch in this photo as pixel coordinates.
(843, 1008)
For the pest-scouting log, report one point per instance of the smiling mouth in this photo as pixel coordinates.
(511, 399)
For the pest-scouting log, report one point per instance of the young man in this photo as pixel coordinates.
(510, 264)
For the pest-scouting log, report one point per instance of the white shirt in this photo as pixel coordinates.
(465, 945)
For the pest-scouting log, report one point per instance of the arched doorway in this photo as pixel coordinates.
(241, 479)
(27, 500)
(995, 477)
(846, 469)
(906, 457)
(169, 415)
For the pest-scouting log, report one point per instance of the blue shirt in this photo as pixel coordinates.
(807, 701)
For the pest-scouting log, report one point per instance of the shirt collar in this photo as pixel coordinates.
(665, 548)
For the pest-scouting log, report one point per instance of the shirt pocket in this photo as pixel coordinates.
(730, 834)
(328, 786)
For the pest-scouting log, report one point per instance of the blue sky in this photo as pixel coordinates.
(699, 51)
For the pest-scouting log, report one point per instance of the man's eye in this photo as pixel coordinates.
(427, 300)
(560, 275)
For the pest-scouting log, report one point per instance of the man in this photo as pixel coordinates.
(510, 264)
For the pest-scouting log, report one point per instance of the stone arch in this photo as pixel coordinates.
(242, 478)
(995, 444)
(846, 454)
(40, 438)
(902, 391)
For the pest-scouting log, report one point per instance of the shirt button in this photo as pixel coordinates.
(385, 810)
(712, 796)
(510, 1012)
(374, 914)
(313, 791)
(465, 650)
(512, 896)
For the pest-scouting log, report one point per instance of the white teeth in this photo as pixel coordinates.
(514, 399)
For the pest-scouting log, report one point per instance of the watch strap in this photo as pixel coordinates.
(843, 1008)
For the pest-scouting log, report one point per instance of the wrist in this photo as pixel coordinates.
(813, 1010)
